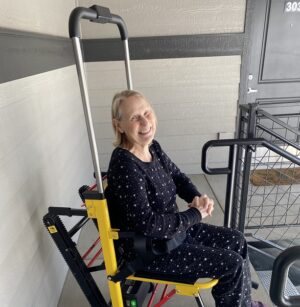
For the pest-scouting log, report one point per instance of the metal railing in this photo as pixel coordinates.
(267, 190)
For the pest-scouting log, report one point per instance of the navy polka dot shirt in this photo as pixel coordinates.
(142, 195)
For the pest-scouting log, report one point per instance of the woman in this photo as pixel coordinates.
(143, 183)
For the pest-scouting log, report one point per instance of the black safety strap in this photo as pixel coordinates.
(147, 250)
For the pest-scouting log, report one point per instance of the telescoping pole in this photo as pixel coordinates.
(95, 201)
(101, 15)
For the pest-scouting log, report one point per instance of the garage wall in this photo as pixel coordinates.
(169, 17)
(44, 150)
(195, 98)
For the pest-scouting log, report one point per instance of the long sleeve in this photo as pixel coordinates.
(184, 187)
(142, 207)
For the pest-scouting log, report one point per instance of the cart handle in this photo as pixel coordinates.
(279, 276)
(98, 14)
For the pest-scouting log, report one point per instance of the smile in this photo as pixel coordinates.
(146, 132)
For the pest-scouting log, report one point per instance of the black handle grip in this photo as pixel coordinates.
(98, 14)
(240, 142)
(67, 211)
(279, 275)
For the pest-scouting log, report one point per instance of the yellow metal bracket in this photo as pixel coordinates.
(181, 288)
(189, 290)
(114, 234)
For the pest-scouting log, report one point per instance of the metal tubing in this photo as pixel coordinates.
(165, 298)
(278, 121)
(98, 14)
(78, 226)
(279, 277)
(127, 65)
(230, 187)
(199, 301)
(247, 167)
(278, 136)
(67, 211)
(71, 255)
(97, 208)
(87, 111)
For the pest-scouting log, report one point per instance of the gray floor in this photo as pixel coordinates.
(213, 186)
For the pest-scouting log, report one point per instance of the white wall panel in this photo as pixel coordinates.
(169, 17)
(44, 159)
(195, 99)
(46, 17)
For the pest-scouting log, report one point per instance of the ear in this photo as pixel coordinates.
(116, 123)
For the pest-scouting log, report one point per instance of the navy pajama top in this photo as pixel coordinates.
(142, 195)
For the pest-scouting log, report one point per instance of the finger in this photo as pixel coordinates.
(210, 210)
(206, 202)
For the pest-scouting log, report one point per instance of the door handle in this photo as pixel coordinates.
(251, 90)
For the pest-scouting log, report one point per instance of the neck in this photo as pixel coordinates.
(141, 152)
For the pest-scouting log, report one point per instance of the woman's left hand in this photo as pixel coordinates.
(204, 203)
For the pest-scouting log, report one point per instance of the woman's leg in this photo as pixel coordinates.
(195, 261)
(228, 239)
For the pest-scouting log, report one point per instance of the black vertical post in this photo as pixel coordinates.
(238, 168)
(247, 166)
(230, 187)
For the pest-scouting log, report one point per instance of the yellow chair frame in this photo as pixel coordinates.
(97, 209)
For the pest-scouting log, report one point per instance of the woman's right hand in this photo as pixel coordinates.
(204, 204)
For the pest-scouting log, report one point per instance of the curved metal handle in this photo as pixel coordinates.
(101, 15)
(279, 276)
(95, 13)
(240, 142)
(223, 143)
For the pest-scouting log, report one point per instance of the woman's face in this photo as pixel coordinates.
(138, 121)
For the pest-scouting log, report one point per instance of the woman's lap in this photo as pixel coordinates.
(205, 253)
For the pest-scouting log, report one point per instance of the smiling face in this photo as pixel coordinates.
(137, 122)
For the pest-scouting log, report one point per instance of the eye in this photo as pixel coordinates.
(134, 118)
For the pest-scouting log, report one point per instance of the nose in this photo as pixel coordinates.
(143, 120)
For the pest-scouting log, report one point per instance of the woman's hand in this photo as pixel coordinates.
(204, 204)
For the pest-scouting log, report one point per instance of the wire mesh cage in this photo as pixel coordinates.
(267, 190)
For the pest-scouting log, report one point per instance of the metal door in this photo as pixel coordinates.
(271, 60)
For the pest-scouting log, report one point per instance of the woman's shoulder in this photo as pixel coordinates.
(156, 146)
(120, 155)
(121, 161)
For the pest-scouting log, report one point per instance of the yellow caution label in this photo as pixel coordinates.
(52, 229)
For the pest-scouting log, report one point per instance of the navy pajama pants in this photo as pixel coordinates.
(215, 252)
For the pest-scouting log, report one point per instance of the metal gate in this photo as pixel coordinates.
(267, 185)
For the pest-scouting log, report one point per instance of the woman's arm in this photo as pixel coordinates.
(130, 188)
(184, 186)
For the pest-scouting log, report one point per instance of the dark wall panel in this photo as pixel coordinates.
(164, 47)
(24, 54)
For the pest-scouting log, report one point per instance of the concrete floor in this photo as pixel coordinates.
(214, 186)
